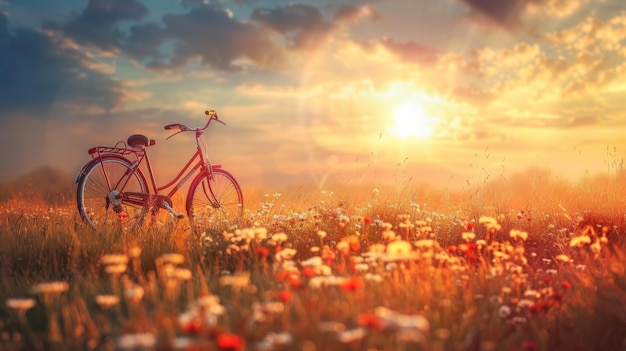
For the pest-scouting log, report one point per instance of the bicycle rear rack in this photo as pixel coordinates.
(99, 150)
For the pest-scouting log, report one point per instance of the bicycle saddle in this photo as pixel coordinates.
(137, 140)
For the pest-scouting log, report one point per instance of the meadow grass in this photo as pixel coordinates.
(531, 263)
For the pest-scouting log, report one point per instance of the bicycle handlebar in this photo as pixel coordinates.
(184, 128)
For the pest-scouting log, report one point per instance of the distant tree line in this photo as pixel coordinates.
(46, 184)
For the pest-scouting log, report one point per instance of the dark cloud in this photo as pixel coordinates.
(205, 32)
(504, 13)
(412, 52)
(37, 72)
(98, 24)
(303, 26)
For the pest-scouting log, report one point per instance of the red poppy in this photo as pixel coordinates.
(284, 296)
(367, 220)
(354, 243)
(566, 285)
(191, 327)
(539, 307)
(294, 281)
(557, 298)
(470, 226)
(370, 321)
(328, 254)
(308, 272)
(262, 251)
(282, 275)
(230, 342)
(352, 284)
(530, 345)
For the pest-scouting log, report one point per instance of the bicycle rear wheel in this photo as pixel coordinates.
(215, 202)
(99, 190)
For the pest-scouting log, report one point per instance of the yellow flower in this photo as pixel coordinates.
(580, 241)
(114, 259)
(20, 305)
(468, 236)
(107, 301)
(518, 234)
(51, 288)
(399, 249)
(173, 258)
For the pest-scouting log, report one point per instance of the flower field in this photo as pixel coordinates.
(502, 267)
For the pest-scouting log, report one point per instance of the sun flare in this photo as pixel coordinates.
(410, 120)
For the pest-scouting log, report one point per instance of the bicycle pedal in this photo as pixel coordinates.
(172, 212)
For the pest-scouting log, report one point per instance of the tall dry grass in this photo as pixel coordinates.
(526, 263)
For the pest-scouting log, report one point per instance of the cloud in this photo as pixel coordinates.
(303, 26)
(412, 52)
(97, 24)
(38, 71)
(502, 13)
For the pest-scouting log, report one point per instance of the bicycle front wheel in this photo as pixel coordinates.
(215, 202)
(99, 193)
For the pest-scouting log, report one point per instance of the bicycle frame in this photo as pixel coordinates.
(197, 161)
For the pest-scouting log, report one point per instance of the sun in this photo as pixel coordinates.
(411, 121)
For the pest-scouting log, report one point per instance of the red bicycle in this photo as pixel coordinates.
(112, 189)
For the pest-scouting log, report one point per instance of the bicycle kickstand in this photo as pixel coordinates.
(171, 210)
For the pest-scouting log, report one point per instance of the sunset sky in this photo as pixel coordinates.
(445, 91)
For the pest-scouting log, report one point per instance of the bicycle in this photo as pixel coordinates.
(112, 189)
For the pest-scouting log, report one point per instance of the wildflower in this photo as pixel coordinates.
(519, 320)
(239, 280)
(495, 299)
(285, 254)
(273, 339)
(107, 301)
(134, 292)
(370, 321)
(518, 234)
(389, 235)
(51, 288)
(189, 322)
(566, 285)
(562, 258)
(361, 267)
(468, 236)
(136, 341)
(426, 243)
(285, 296)
(352, 284)
(312, 262)
(21, 305)
(183, 343)
(489, 223)
(262, 251)
(530, 345)
(349, 336)
(134, 252)
(524, 303)
(173, 258)
(367, 220)
(180, 274)
(343, 247)
(580, 241)
(230, 342)
(115, 269)
(531, 293)
(399, 249)
(113, 259)
(504, 311)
